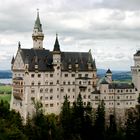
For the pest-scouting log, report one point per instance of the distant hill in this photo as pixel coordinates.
(117, 75)
(5, 74)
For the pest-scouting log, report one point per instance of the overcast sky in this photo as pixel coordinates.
(110, 28)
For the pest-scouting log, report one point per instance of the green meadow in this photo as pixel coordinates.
(5, 92)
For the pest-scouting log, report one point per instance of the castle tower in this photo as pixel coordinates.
(56, 52)
(37, 35)
(109, 76)
(135, 70)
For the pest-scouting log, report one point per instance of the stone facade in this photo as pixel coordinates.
(48, 76)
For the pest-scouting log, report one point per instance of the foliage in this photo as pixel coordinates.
(75, 122)
(5, 97)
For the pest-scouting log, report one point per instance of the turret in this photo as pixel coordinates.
(56, 52)
(37, 35)
(135, 70)
(109, 76)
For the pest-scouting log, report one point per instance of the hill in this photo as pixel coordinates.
(117, 75)
(5, 74)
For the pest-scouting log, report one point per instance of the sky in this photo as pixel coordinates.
(110, 28)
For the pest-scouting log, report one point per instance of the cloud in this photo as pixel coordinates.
(108, 27)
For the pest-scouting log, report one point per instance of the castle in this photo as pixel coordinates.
(48, 76)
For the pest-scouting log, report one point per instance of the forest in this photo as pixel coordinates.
(76, 122)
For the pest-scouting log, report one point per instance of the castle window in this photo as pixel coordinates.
(79, 75)
(118, 90)
(51, 105)
(64, 83)
(46, 105)
(73, 97)
(121, 90)
(127, 90)
(57, 82)
(96, 97)
(66, 75)
(73, 75)
(69, 90)
(130, 97)
(57, 89)
(57, 104)
(46, 75)
(126, 97)
(89, 90)
(32, 75)
(89, 83)
(46, 90)
(32, 98)
(130, 90)
(105, 97)
(32, 91)
(84, 96)
(46, 82)
(73, 90)
(88, 96)
(51, 75)
(80, 82)
(32, 83)
(68, 83)
(51, 90)
(73, 83)
(86, 75)
(104, 91)
(41, 98)
(84, 103)
(39, 83)
(62, 89)
(118, 97)
(39, 75)
(46, 98)
(51, 83)
(57, 96)
(118, 103)
(51, 97)
(41, 90)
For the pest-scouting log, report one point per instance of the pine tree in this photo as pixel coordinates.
(131, 125)
(65, 119)
(100, 122)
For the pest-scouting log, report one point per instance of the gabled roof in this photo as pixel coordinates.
(44, 59)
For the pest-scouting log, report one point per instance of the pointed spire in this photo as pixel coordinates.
(13, 59)
(19, 45)
(108, 71)
(89, 57)
(38, 25)
(56, 45)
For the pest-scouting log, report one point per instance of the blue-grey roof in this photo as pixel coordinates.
(104, 81)
(44, 59)
(121, 86)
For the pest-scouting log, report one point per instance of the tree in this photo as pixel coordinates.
(65, 119)
(131, 125)
(100, 122)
